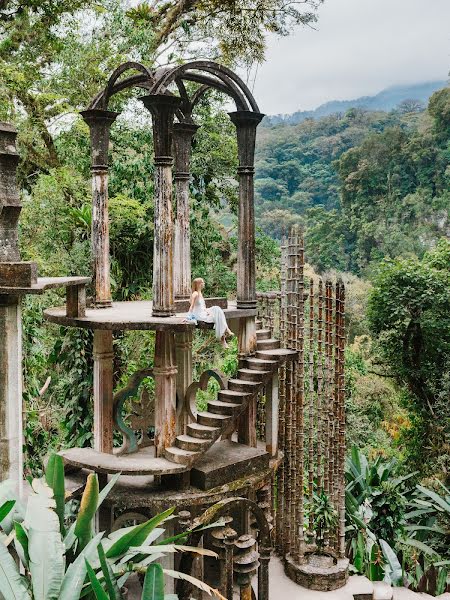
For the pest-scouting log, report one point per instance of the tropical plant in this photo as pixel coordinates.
(325, 518)
(58, 561)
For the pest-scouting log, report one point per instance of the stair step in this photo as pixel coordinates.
(193, 444)
(252, 375)
(269, 344)
(259, 324)
(242, 385)
(223, 408)
(263, 334)
(202, 432)
(258, 364)
(232, 396)
(179, 456)
(277, 354)
(212, 419)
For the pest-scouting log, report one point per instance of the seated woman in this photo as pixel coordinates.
(215, 314)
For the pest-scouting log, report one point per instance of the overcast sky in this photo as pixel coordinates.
(358, 48)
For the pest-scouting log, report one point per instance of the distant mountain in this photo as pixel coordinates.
(386, 100)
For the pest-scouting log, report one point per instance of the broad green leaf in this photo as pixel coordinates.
(6, 508)
(108, 487)
(110, 579)
(441, 584)
(21, 543)
(153, 588)
(100, 594)
(438, 499)
(45, 546)
(12, 587)
(395, 572)
(137, 535)
(76, 573)
(54, 476)
(358, 559)
(420, 546)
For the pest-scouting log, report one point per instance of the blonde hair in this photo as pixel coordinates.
(196, 284)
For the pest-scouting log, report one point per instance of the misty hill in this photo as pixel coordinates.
(386, 100)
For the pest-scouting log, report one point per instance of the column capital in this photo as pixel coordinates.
(163, 109)
(246, 118)
(99, 122)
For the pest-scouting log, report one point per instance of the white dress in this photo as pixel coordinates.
(214, 314)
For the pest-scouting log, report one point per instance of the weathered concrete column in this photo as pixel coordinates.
(163, 110)
(11, 459)
(246, 123)
(103, 391)
(165, 372)
(183, 353)
(182, 141)
(99, 122)
(272, 404)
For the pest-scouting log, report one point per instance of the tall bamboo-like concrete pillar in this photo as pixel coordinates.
(163, 110)
(99, 122)
(11, 460)
(182, 141)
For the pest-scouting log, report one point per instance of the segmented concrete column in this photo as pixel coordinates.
(165, 373)
(99, 122)
(163, 110)
(103, 391)
(11, 460)
(246, 123)
(183, 353)
(182, 141)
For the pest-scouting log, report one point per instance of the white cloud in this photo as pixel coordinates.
(358, 48)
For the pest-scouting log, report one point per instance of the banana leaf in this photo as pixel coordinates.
(45, 546)
(419, 545)
(137, 535)
(153, 588)
(445, 506)
(12, 586)
(21, 544)
(394, 572)
(441, 584)
(54, 476)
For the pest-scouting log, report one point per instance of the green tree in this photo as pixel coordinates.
(409, 315)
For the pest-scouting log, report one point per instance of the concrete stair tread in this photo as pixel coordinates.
(207, 415)
(245, 371)
(262, 362)
(250, 384)
(202, 428)
(275, 353)
(224, 404)
(268, 340)
(189, 439)
(233, 393)
(263, 334)
(180, 456)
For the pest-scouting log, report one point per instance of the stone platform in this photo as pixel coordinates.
(135, 315)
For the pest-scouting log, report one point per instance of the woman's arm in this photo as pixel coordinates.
(193, 299)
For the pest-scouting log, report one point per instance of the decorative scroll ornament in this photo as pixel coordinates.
(142, 413)
(190, 398)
